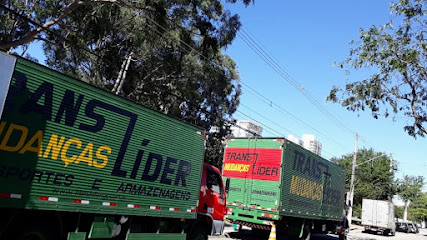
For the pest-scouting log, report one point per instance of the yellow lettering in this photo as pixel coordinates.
(54, 145)
(29, 145)
(292, 189)
(236, 167)
(100, 156)
(227, 166)
(64, 158)
(2, 125)
(83, 158)
(306, 188)
(4, 142)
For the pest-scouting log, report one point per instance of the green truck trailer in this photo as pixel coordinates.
(273, 181)
(77, 162)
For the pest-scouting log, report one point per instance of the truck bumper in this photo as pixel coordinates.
(265, 225)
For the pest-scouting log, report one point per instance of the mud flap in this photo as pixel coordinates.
(102, 227)
(76, 236)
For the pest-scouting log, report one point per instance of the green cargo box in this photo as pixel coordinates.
(273, 177)
(67, 145)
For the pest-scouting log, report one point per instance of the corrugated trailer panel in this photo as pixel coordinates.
(311, 185)
(70, 146)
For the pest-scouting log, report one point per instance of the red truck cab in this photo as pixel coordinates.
(211, 209)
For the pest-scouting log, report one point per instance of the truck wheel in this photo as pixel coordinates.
(259, 232)
(199, 233)
(306, 235)
(37, 232)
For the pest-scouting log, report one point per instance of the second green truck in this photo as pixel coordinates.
(273, 181)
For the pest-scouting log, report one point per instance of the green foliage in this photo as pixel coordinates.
(398, 212)
(357, 211)
(373, 179)
(409, 188)
(163, 54)
(397, 55)
(418, 208)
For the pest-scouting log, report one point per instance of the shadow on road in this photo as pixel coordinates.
(249, 235)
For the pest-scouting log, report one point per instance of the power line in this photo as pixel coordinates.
(266, 128)
(245, 37)
(260, 115)
(283, 73)
(274, 105)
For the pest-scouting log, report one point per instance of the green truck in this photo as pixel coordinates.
(273, 181)
(77, 162)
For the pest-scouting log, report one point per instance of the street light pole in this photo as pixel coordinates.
(351, 193)
(390, 197)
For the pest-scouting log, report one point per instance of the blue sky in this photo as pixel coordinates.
(304, 38)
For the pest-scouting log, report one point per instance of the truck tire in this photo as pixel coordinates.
(36, 232)
(296, 226)
(306, 235)
(342, 237)
(199, 232)
(259, 232)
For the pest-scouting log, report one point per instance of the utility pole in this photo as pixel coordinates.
(390, 196)
(350, 195)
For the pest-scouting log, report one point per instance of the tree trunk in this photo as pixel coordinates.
(405, 210)
(118, 86)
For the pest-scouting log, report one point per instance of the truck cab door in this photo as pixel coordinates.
(215, 199)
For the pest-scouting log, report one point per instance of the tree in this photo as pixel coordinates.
(398, 212)
(409, 189)
(163, 54)
(397, 55)
(373, 179)
(418, 208)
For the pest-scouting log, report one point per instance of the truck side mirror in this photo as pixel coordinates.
(227, 185)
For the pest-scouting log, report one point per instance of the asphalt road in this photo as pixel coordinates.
(355, 234)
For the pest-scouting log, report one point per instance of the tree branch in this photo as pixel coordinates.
(29, 37)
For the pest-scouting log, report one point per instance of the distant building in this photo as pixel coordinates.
(295, 140)
(246, 128)
(307, 141)
(311, 144)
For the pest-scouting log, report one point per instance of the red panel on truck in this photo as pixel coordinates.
(252, 163)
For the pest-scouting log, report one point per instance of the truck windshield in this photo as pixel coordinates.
(214, 182)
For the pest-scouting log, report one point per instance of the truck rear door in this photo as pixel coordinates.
(237, 163)
(253, 165)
